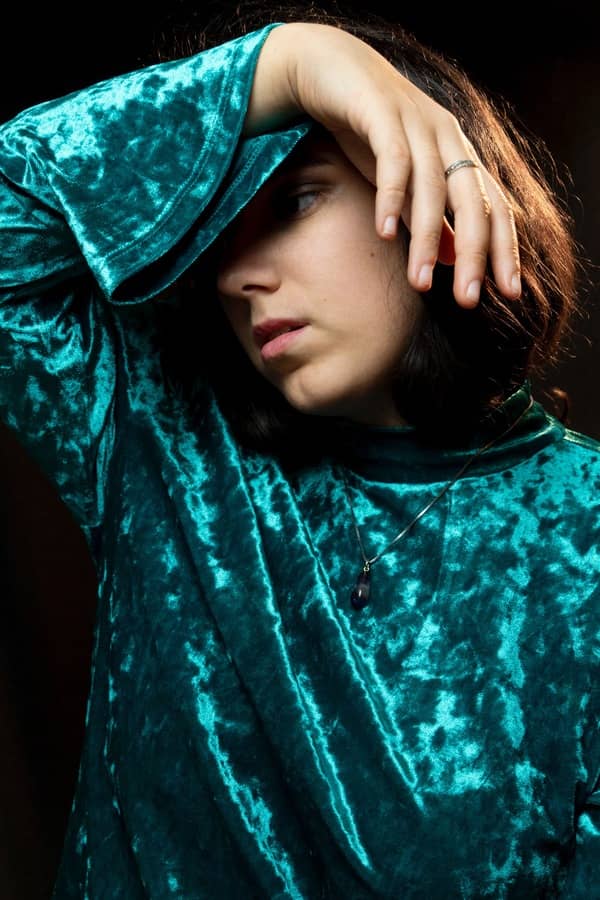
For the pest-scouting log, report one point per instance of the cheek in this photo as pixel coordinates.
(385, 321)
(374, 300)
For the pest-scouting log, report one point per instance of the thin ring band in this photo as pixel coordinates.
(459, 164)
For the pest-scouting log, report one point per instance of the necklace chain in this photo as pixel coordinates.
(360, 595)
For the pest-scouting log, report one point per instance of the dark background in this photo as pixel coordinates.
(547, 65)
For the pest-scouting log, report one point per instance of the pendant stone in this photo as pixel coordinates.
(360, 595)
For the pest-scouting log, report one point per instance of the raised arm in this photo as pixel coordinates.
(106, 196)
(109, 194)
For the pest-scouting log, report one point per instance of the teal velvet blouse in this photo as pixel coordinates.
(248, 733)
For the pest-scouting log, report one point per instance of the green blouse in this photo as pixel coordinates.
(248, 733)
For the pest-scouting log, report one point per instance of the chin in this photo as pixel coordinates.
(304, 391)
(321, 406)
(312, 409)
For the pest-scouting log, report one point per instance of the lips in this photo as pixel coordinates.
(271, 328)
(280, 345)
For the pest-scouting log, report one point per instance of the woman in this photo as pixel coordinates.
(268, 718)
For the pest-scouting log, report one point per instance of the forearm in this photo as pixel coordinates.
(272, 102)
(93, 179)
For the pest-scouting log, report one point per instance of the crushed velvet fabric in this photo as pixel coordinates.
(248, 734)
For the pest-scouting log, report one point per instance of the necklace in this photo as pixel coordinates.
(360, 595)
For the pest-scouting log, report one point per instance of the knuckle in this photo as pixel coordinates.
(432, 177)
(449, 119)
(429, 233)
(454, 125)
(472, 252)
(398, 152)
(473, 203)
(502, 204)
(510, 213)
(505, 205)
(395, 191)
(471, 151)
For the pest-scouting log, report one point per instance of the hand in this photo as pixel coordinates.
(402, 141)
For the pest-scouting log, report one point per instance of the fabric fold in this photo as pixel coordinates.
(248, 733)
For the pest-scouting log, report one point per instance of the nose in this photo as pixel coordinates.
(243, 270)
(247, 251)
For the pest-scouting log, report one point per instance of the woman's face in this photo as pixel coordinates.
(318, 258)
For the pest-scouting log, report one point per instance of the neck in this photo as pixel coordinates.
(376, 415)
(399, 453)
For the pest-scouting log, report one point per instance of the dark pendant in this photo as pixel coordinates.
(360, 595)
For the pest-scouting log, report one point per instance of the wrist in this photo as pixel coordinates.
(273, 100)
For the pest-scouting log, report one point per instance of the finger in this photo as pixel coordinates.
(504, 243)
(446, 254)
(393, 167)
(358, 153)
(426, 215)
(470, 204)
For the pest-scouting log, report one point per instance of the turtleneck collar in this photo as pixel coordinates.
(396, 454)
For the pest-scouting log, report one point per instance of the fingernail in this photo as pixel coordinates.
(473, 290)
(516, 283)
(425, 276)
(389, 226)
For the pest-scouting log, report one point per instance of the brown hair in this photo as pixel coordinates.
(460, 364)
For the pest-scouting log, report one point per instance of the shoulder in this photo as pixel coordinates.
(572, 451)
(585, 441)
(571, 485)
(579, 454)
(565, 473)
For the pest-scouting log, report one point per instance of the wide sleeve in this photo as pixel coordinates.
(582, 871)
(107, 195)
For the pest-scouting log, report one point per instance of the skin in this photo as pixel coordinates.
(318, 258)
(400, 140)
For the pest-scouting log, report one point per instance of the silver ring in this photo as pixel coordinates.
(459, 164)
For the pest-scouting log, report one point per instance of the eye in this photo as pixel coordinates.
(285, 205)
